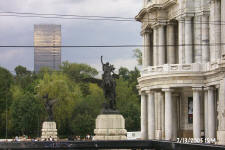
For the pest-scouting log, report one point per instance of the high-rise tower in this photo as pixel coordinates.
(47, 35)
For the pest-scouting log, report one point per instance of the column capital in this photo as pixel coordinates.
(175, 94)
(217, 86)
(149, 92)
(210, 88)
(180, 18)
(155, 27)
(158, 25)
(145, 31)
(205, 88)
(188, 18)
(171, 23)
(196, 89)
(168, 90)
(141, 92)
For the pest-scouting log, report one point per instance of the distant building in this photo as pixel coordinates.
(47, 35)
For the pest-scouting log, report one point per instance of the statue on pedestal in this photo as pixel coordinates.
(49, 130)
(110, 125)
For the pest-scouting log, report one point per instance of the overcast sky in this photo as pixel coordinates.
(19, 31)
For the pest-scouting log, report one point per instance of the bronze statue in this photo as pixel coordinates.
(49, 107)
(109, 87)
(108, 84)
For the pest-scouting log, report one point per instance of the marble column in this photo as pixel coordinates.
(162, 45)
(205, 38)
(211, 114)
(168, 114)
(175, 126)
(162, 114)
(196, 113)
(159, 115)
(181, 40)
(144, 117)
(206, 112)
(197, 39)
(147, 49)
(223, 28)
(221, 114)
(217, 28)
(212, 32)
(188, 40)
(155, 46)
(171, 56)
(151, 115)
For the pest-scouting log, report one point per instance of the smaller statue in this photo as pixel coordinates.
(49, 107)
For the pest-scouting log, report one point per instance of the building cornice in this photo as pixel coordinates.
(154, 7)
(141, 14)
(169, 3)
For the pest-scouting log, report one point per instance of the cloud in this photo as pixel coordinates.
(12, 57)
(19, 31)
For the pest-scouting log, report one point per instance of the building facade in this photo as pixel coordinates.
(182, 83)
(45, 36)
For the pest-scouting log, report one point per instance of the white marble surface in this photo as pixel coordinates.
(110, 127)
(49, 130)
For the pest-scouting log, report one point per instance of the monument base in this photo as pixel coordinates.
(110, 127)
(220, 138)
(49, 130)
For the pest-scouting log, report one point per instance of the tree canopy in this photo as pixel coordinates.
(78, 102)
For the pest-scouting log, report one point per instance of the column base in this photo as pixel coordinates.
(220, 138)
(158, 134)
(110, 127)
(49, 130)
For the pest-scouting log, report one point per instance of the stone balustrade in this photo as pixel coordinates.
(181, 68)
(170, 68)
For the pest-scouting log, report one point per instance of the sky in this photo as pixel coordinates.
(19, 31)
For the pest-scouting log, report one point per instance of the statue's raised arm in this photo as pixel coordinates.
(102, 61)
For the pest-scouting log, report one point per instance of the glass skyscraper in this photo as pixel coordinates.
(47, 35)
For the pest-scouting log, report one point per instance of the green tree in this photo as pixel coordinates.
(138, 55)
(124, 73)
(78, 72)
(6, 81)
(130, 76)
(21, 71)
(128, 104)
(26, 114)
(86, 111)
(24, 78)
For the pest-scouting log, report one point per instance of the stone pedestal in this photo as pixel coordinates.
(110, 127)
(49, 130)
(220, 137)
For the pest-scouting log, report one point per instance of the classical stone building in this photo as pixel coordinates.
(182, 83)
